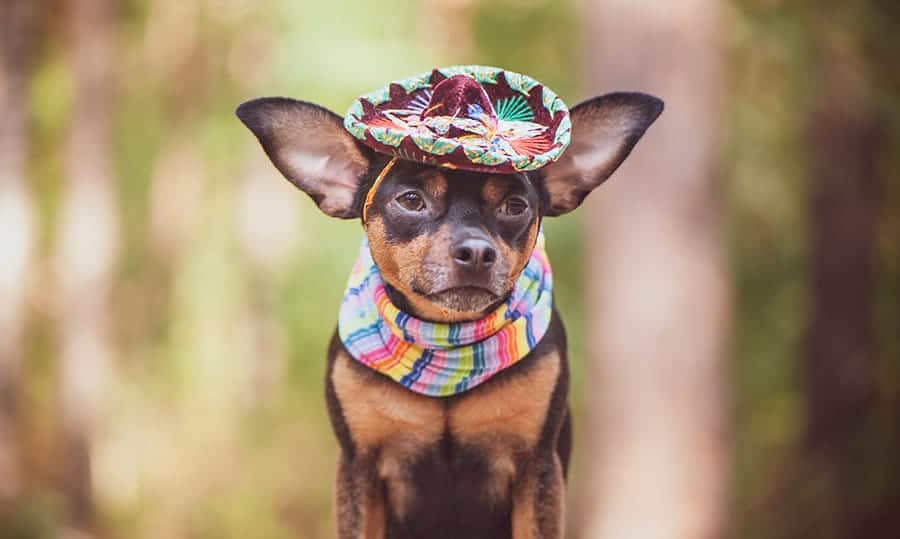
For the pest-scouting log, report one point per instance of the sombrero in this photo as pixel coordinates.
(464, 117)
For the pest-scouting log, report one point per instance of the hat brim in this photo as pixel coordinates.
(528, 127)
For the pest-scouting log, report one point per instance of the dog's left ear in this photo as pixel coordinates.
(310, 147)
(604, 130)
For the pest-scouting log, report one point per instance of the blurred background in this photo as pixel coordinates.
(732, 295)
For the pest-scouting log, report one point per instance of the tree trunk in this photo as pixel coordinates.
(16, 228)
(87, 247)
(659, 299)
(846, 141)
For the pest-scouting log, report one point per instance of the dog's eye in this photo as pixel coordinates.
(412, 201)
(515, 206)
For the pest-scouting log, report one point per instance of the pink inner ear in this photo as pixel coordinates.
(451, 97)
(310, 147)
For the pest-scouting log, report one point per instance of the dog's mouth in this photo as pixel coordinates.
(464, 298)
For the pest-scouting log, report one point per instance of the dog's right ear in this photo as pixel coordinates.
(604, 131)
(310, 147)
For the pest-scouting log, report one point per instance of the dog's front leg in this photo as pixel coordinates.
(359, 504)
(538, 500)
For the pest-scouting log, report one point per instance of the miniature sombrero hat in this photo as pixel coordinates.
(466, 117)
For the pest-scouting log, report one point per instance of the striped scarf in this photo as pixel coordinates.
(436, 359)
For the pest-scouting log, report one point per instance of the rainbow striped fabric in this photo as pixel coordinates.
(437, 359)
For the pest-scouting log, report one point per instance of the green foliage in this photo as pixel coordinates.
(540, 38)
(216, 425)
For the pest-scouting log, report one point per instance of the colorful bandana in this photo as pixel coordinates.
(437, 359)
(467, 117)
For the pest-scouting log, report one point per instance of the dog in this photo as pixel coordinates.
(449, 244)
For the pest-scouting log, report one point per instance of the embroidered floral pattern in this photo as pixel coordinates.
(468, 117)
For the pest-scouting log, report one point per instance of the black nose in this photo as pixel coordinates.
(474, 254)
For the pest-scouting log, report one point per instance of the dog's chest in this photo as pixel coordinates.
(483, 429)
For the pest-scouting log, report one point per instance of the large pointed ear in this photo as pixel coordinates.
(604, 130)
(311, 148)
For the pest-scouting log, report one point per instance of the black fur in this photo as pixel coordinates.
(462, 207)
(450, 474)
(450, 477)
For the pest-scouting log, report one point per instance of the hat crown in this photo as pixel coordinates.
(455, 96)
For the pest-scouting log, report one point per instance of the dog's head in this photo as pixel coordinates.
(450, 244)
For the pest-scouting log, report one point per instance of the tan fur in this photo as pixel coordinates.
(501, 452)
(361, 511)
(435, 184)
(375, 412)
(374, 514)
(381, 249)
(389, 421)
(494, 190)
(519, 258)
(393, 472)
(386, 414)
(399, 264)
(515, 406)
(523, 257)
(538, 503)
(504, 418)
(524, 523)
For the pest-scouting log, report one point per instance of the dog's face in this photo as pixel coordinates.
(450, 243)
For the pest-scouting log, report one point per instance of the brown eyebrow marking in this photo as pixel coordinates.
(434, 183)
(494, 190)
